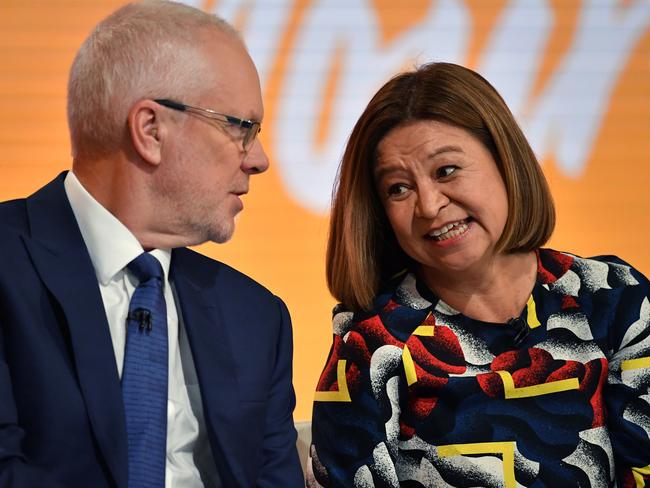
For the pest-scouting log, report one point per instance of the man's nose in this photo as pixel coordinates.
(255, 160)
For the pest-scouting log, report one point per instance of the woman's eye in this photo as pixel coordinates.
(445, 171)
(397, 189)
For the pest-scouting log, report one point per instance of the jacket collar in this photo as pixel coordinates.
(201, 290)
(62, 261)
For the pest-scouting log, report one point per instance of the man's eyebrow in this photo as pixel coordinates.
(382, 171)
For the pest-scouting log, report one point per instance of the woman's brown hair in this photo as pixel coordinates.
(362, 252)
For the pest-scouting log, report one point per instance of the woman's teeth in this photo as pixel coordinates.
(450, 230)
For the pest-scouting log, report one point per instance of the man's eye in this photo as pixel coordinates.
(445, 171)
(236, 130)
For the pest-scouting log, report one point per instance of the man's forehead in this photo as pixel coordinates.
(234, 82)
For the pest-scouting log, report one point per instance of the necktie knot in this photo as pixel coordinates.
(146, 267)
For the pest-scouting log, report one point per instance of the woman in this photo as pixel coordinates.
(464, 353)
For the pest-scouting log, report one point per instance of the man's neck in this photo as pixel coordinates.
(113, 182)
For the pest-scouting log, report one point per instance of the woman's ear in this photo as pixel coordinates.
(145, 129)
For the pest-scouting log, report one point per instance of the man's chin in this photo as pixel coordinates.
(222, 234)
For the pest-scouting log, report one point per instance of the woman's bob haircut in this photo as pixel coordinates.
(362, 252)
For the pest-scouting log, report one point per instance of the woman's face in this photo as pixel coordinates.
(443, 195)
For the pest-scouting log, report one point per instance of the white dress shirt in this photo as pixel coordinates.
(111, 247)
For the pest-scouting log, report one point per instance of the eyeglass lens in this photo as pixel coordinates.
(250, 136)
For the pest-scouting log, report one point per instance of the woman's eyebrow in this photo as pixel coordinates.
(386, 169)
(445, 149)
(382, 170)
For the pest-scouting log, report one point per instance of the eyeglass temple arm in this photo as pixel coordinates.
(171, 104)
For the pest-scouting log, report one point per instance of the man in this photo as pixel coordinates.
(175, 372)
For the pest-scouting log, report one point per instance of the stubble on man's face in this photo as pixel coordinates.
(201, 186)
(197, 210)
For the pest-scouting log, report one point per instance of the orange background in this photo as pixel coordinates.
(278, 242)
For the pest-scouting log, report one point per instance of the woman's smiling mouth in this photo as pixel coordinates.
(450, 230)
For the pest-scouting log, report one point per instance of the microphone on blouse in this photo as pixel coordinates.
(521, 328)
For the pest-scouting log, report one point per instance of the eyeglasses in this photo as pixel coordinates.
(251, 127)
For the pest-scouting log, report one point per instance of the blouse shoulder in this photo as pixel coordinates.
(607, 270)
(400, 306)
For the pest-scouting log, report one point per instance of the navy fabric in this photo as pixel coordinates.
(144, 377)
(62, 421)
(453, 388)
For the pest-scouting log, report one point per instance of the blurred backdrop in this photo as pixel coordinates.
(576, 73)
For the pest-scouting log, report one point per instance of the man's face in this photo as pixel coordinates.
(205, 170)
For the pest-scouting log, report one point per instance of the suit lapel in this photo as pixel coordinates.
(213, 360)
(61, 259)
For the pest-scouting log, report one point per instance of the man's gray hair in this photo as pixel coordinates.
(148, 49)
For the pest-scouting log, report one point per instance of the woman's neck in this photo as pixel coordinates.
(496, 292)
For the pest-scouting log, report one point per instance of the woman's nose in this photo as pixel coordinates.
(430, 201)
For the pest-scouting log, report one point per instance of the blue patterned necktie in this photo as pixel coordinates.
(144, 376)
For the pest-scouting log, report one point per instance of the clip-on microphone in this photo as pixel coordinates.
(143, 317)
(521, 328)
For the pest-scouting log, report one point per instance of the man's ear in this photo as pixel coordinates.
(146, 130)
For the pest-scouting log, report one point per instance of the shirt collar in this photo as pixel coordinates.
(110, 243)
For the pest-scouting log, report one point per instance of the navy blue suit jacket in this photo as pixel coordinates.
(61, 414)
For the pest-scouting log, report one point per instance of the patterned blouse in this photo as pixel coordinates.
(415, 394)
